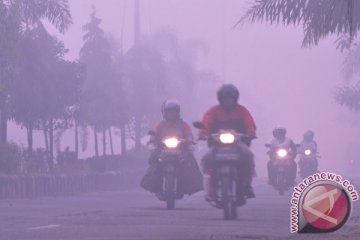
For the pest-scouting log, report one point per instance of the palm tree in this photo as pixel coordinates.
(319, 18)
(17, 15)
(57, 12)
(349, 96)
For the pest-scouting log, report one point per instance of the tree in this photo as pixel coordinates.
(15, 16)
(9, 34)
(44, 86)
(184, 81)
(319, 18)
(349, 96)
(103, 101)
(349, 93)
(144, 73)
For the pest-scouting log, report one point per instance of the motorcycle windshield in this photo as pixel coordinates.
(236, 125)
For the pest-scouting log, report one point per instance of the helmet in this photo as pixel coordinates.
(228, 90)
(309, 135)
(170, 106)
(279, 132)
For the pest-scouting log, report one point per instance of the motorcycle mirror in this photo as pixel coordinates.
(198, 125)
(151, 133)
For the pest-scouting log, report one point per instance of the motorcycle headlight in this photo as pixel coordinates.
(171, 142)
(227, 138)
(307, 152)
(282, 153)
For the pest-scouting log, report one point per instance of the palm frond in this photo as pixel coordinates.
(275, 11)
(349, 96)
(351, 65)
(320, 18)
(57, 12)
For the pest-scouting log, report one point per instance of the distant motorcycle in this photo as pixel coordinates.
(227, 182)
(170, 159)
(281, 157)
(308, 162)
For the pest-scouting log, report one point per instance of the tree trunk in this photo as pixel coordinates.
(46, 138)
(76, 141)
(3, 126)
(137, 22)
(51, 146)
(137, 33)
(123, 140)
(111, 142)
(96, 141)
(138, 133)
(104, 140)
(30, 138)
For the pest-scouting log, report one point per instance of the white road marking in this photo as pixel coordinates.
(44, 227)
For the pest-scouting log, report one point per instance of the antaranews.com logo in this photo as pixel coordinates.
(321, 203)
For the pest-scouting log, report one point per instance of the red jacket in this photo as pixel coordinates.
(239, 119)
(178, 129)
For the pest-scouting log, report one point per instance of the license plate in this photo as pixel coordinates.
(226, 156)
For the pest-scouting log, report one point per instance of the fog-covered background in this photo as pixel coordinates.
(280, 82)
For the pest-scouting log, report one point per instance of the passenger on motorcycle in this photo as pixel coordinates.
(308, 148)
(280, 140)
(174, 126)
(229, 115)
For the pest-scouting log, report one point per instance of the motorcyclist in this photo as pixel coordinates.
(308, 142)
(230, 115)
(281, 140)
(173, 125)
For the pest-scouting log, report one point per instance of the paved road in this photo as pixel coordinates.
(137, 214)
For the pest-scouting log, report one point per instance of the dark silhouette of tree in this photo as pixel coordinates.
(15, 18)
(319, 18)
(103, 102)
(349, 96)
(44, 86)
(144, 72)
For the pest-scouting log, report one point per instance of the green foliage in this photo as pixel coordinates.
(10, 158)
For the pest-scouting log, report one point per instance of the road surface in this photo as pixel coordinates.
(136, 214)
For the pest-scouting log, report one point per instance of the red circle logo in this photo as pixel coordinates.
(326, 207)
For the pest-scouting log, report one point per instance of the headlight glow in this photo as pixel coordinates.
(171, 142)
(227, 138)
(282, 153)
(307, 152)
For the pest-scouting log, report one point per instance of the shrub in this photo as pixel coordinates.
(10, 158)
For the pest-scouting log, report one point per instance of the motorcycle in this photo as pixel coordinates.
(227, 178)
(308, 162)
(281, 157)
(170, 169)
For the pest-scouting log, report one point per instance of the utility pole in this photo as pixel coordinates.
(137, 22)
(138, 114)
(122, 127)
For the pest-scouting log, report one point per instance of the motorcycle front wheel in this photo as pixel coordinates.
(228, 203)
(170, 190)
